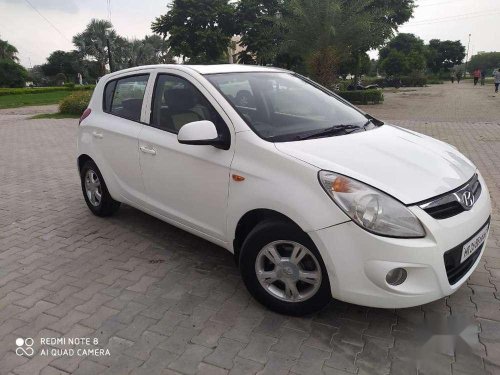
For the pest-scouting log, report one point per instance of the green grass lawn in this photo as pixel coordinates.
(23, 100)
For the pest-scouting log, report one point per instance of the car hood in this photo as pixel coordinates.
(409, 166)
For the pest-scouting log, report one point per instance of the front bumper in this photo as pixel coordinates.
(358, 261)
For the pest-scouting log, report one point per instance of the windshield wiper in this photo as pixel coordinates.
(334, 130)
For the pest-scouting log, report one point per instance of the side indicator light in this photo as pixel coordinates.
(238, 178)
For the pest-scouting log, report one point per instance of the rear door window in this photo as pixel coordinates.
(124, 97)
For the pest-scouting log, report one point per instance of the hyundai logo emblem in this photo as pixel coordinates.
(467, 199)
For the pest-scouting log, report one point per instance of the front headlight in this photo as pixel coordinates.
(370, 208)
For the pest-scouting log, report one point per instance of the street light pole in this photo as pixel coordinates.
(467, 57)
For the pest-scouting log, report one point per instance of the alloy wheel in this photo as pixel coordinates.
(288, 271)
(93, 188)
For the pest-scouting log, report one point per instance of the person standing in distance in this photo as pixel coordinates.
(483, 76)
(477, 75)
(496, 74)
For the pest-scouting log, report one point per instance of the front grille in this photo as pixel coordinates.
(456, 270)
(451, 203)
(445, 211)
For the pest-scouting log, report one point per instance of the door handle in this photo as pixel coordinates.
(97, 135)
(147, 150)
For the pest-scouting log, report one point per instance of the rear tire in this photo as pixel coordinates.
(295, 281)
(95, 192)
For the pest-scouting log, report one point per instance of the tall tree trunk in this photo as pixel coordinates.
(357, 68)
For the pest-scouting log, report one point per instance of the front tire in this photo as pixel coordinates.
(283, 270)
(95, 192)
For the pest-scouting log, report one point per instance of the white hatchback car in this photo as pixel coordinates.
(314, 197)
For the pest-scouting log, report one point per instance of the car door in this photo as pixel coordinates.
(117, 134)
(186, 183)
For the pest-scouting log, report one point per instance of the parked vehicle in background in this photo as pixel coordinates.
(360, 86)
(314, 197)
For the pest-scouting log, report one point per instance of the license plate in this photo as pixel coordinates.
(474, 244)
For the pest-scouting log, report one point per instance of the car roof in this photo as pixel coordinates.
(231, 68)
(202, 69)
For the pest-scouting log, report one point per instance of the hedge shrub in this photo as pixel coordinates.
(413, 81)
(362, 96)
(42, 90)
(75, 103)
(435, 81)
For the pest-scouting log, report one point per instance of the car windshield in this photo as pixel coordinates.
(282, 107)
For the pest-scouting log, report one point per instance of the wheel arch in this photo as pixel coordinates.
(82, 159)
(252, 218)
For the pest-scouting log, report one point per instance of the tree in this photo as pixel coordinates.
(310, 34)
(68, 63)
(485, 61)
(199, 30)
(444, 55)
(151, 50)
(344, 28)
(12, 74)
(262, 32)
(405, 43)
(37, 76)
(395, 63)
(92, 42)
(121, 52)
(407, 50)
(8, 51)
(368, 24)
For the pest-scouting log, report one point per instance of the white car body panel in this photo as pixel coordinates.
(191, 187)
(407, 166)
(186, 183)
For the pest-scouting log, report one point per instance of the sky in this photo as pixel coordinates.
(39, 27)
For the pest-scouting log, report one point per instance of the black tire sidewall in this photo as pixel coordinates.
(107, 205)
(259, 237)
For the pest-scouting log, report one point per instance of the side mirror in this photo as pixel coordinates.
(201, 133)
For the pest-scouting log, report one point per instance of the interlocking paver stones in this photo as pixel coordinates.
(144, 283)
(374, 357)
(66, 323)
(225, 353)
(278, 364)
(210, 334)
(157, 361)
(207, 369)
(168, 323)
(343, 356)
(311, 361)
(179, 339)
(135, 329)
(92, 305)
(321, 336)
(289, 342)
(258, 348)
(145, 344)
(102, 314)
(243, 366)
(188, 362)
(242, 329)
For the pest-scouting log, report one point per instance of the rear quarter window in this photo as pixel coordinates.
(123, 97)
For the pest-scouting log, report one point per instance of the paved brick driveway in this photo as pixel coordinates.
(165, 302)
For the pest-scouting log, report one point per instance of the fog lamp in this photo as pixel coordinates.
(395, 277)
